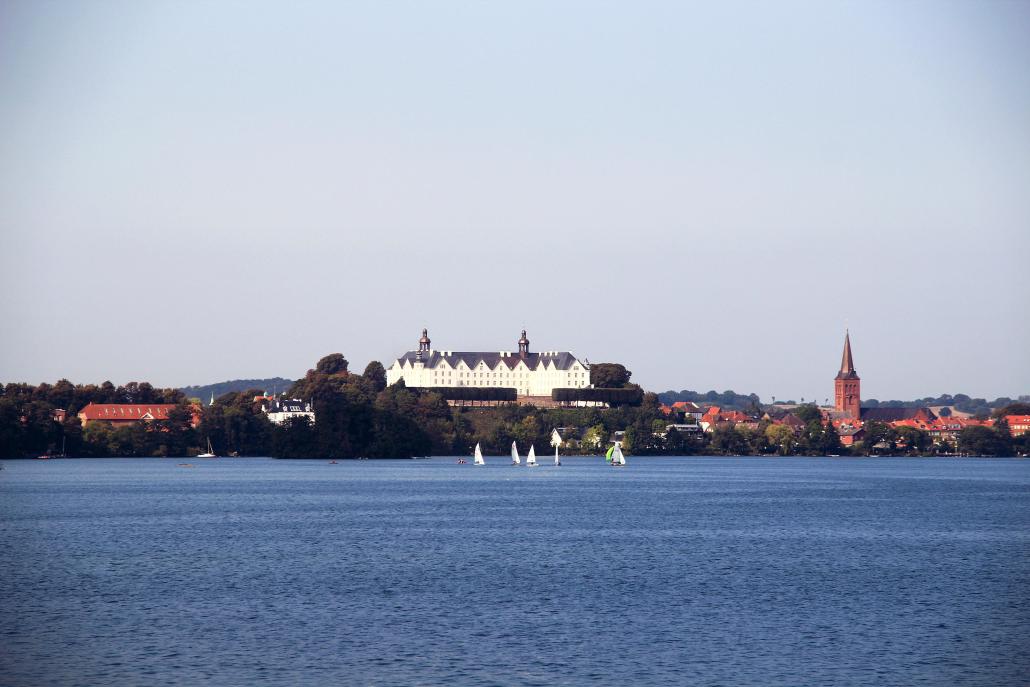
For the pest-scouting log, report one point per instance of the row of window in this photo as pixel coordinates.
(506, 374)
(477, 382)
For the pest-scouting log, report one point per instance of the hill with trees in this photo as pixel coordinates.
(204, 391)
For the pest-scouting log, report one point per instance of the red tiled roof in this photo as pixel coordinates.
(126, 411)
(686, 405)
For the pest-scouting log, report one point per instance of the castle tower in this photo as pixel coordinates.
(847, 384)
(423, 346)
(523, 345)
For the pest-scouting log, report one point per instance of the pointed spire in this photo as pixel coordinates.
(847, 364)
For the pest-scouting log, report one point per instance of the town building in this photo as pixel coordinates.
(530, 374)
(1018, 424)
(120, 414)
(850, 435)
(914, 417)
(281, 410)
(686, 408)
(716, 416)
(682, 429)
(793, 421)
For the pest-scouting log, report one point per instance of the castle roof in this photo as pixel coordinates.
(562, 360)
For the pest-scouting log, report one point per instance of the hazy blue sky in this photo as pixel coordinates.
(198, 191)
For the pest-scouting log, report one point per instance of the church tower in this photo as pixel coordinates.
(847, 384)
(523, 345)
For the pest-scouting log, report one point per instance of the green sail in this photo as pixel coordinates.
(608, 456)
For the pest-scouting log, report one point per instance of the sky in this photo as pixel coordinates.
(708, 193)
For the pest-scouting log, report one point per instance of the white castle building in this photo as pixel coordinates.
(530, 374)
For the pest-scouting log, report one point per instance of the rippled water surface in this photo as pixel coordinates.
(707, 571)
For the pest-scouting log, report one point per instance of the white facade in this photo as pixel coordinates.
(530, 374)
(279, 411)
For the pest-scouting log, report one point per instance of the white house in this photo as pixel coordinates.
(281, 410)
(530, 374)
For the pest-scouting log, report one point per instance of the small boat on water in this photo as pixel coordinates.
(210, 451)
(531, 458)
(557, 458)
(515, 454)
(477, 459)
(618, 460)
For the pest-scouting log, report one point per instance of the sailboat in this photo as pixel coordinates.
(478, 458)
(531, 458)
(210, 451)
(515, 454)
(618, 460)
(608, 455)
(557, 460)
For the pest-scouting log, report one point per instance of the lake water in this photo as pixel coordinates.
(673, 571)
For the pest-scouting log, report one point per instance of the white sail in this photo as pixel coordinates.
(557, 460)
(617, 457)
(478, 459)
(531, 458)
(515, 454)
(210, 451)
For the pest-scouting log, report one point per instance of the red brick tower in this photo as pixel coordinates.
(847, 385)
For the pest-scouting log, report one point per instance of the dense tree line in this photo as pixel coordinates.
(978, 407)
(727, 400)
(28, 426)
(359, 416)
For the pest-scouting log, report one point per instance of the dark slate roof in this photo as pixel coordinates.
(287, 405)
(893, 414)
(792, 420)
(562, 360)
